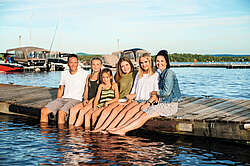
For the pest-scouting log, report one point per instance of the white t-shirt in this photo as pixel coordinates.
(73, 84)
(144, 86)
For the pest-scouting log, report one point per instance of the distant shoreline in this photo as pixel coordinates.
(189, 58)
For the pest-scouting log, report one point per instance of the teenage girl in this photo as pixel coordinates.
(91, 86)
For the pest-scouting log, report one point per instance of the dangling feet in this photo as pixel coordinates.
(96, 130)
(117, 132)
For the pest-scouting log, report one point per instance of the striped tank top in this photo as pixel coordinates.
(106, 95)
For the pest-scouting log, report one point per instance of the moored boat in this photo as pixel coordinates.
(132, 54)
(10, 67)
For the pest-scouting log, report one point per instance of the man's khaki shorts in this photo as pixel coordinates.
(63, 104)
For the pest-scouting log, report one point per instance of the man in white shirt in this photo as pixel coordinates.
(69, 93)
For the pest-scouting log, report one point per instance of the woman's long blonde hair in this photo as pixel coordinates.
(151, 70)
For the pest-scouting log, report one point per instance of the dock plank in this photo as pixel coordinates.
(240, 117)
(246, 121)
(19, 95)
(202, 108)
(41, 93)
(188, 100)
(229, 116)
(193, 107)
(220, 109)
(191, 104)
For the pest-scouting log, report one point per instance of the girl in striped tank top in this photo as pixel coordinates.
(107, 94)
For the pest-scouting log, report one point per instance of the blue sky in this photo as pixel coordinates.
(95, 26)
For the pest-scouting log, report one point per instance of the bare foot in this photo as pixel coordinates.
(114, 129)
(104, 132)
(87, 128)
(71, 127)
(117, 132)
(87, 131)
(96, 131)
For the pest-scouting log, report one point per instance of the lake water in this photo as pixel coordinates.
(213, 82)
(24, 142)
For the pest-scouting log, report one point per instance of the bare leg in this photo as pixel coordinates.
(105, 113)
(111, 117)
(73, 112)
(135, 124)
(136, 116)
(44, 115)
(96, 114)
(130, 113)
(61, 117)
(82, 112)
(88, 119)
(122, 114)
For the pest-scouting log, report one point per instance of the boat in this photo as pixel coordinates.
(8, 64)
(133, 54)
(10, 67)
(29, 56)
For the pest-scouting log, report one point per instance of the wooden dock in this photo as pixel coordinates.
(197, 116)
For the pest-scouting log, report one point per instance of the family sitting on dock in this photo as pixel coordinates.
(116, 106)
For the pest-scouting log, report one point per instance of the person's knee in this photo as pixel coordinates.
(88, 115)
(81, 113)
(73, 111)
(94, 116)
(61, 113)
(45, 111)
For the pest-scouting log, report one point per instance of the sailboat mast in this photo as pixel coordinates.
(53, 39)
(30, 33)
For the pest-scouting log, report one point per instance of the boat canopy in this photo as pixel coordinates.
(24, 52)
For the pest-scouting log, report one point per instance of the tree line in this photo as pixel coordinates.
(186, 57)
(177, 57)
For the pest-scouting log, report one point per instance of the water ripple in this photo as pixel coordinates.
(23, 142)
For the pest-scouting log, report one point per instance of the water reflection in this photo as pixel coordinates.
(24, 141)
(80, 147)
